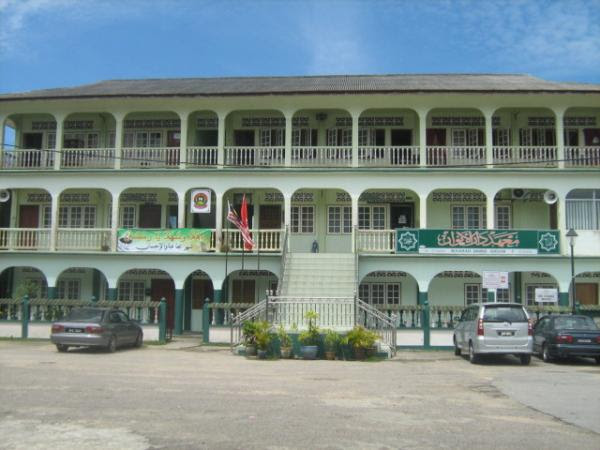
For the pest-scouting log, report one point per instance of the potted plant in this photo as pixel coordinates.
(360, 340)
(332, 341)
(309, 339)
(263, 339)
(285, 343)
(249, 330)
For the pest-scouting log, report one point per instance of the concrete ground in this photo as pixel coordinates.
(184, 395)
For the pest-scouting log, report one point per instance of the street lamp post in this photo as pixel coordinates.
(571, 235)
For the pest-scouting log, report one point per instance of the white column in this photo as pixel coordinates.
(560, 139)
(422, 137)
(287, 210)
(423, 211)
(181, 212)
(2, 124)
(489, 211)
(219, 219)
(355, 117)
(114, 221)
(54, 219)
(288, 138)
(59, 141)
(489, 149)
(183, 139)
(561, 211)
(221, 140)
(354, 199)
(119, 118)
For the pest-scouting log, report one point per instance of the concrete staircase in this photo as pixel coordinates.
(319, 275)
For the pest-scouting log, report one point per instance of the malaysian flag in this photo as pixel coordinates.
(241, 224)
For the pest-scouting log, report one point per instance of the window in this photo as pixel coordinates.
(462, 137)
(380, 293)
(530, 291)
(468, 217)
(571, 137)
(339, 219)
(128, 219)
(142, 139)
(583, 209)
(46, 217)
(503, 217)
(371, 136)
(474, 293)
(81, 140)
(77, 217)
(339, 137)
(501, 137)
(51, 140)
(132, 290)
(304, 137)
(303, 218)
(68, 289)
(537, 136)
(371, 217)
(272, 137)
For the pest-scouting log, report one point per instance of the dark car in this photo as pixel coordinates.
(96, 327)
(563, 336)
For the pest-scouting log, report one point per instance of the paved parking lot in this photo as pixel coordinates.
(187, 396)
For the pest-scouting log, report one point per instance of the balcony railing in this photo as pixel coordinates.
(255, 156)
(455, 156)
(526, 156)
(28, 159)
(582, 156)
(322, 156)
(24, 239)
(201, 157)
(150, 158)
(83, 239)
(88, 158)
(380, 156)
(266, 240)
(376, 241)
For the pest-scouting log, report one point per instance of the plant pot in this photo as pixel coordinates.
(359, 353)
(250, 350)
(329, 355)
(286, 352)
(309, 351)
(262, 354)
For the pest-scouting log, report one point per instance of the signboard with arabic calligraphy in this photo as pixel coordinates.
(478, 242)
(176, 240)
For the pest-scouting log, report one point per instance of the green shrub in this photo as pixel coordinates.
(311, 335)
(332, 340)
(284, 338)
(360, 337)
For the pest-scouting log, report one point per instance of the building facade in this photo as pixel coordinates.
(427, 180)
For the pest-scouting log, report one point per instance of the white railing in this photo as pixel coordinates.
(380, 156)
(322, 156)
(254, 156)
(88, 158)
(455, 156)
(28, 159)
(376, 241)
(582, 156)
(525, 156)
(237, 321)
(378, 321)
(201, 157)
(334, 312)
(94, 239)
(150, 157)
(24, 239)
(265, 240)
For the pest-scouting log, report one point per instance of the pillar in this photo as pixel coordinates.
(490, 211)
(218, 314)
(422, 138)
(118, 139)
(355, 117)
(563, 299)
(59, 142)
(561, 212)
(355, 198)
(423, 212)
(219, 221)
(54, 220)
(288, 137)
(205, 324)
(287, 210)
(425, 321)
(560, 139)
(178, 312)
(221, 139)
(114, 223)
(489, 141)
(517, 293)
(183, 139)
(181, 209)
(112, 294)
(51, 292)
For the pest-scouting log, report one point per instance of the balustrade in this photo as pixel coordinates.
(88, 158)
(150, 158)
(455, 156)
(24, 239)
(526, 156)
(95, 239)
(376, 241)
(28, 159)
(201, 157)
(380, 156)
(255, 156)
(266, 240)
(322, 156)
(582, 156)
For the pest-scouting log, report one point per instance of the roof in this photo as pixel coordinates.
(333, 84)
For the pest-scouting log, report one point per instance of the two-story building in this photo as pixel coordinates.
(400, 189)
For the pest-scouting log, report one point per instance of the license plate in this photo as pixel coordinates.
(506, 333)
(74, 330)
(585, 341)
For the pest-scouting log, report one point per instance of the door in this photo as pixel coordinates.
(402, 216)
(201, 290)
(173, 141)
(28, 218)
(150, 216)
(436, 137)
(587, 293)
(243, 291)
(269, 218)
(165, 288)
(32, 158)
(401, 138)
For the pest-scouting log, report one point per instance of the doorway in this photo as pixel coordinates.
(201, 290)
(33, 158)
(173, 141)
(402, 215)
(165, 288)
(587, 293)
(28, 218)
(150, 216)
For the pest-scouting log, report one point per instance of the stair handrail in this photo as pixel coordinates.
(237, 321)
(382, 324)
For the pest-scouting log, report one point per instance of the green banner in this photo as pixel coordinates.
(478, 242)
(176, 240)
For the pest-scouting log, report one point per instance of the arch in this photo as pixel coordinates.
(81, 283)
(587, 288)
(457, 208)
(198, 290)
(521, 207)
(150, 207)
(248, 286)
(16, 281)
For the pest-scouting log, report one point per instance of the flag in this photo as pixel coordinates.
(233, 217)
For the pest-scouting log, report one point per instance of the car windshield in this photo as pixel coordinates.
(84, 315)
(504, 314)
(574, 323)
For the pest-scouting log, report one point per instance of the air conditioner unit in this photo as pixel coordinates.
(518, 194)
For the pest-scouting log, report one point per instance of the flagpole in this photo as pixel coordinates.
(226, 281)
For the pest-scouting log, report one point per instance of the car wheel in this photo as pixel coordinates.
(546, 354)
(112, 345)
(139, 340)
(457, 350)
(472, 355)
(62, 347)
(525, 359)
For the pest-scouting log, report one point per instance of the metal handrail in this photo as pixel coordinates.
(238, 321)
(380, 323)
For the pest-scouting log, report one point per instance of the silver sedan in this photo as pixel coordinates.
(96, 327)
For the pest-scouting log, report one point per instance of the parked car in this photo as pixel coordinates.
(96, 327)
(494, 328)
(566, 335)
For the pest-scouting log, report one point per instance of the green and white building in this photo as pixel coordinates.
(399, 189)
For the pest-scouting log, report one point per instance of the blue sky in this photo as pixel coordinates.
(55, 43)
